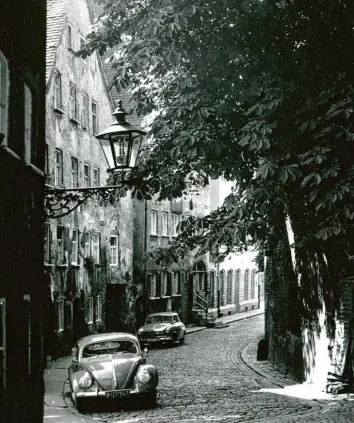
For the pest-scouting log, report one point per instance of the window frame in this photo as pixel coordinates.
(95, 182)
(60, 249)
(87, 177)
(94, 117)
(175, 223)
(87, 244)
(153, 284)
(47, 243)
(59, 168)
(114, 248)
(246, 285)
(154, 228)
(82, 43)
(70, 40)
(4, 96)
(75, 244)
(164, 284)
(95, 250)
(85, 115)
(73, 106)
(74, 172)
(58, 105)
(60, 315)
(164, 226)
(229, 287)
(99, 316)
(89, 310)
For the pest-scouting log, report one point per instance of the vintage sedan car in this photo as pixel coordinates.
(111, 366)
(163, 327)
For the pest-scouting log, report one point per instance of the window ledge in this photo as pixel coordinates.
(176, 295)
(61, 265)
(165, 296)
(74, 121)
(35, 169)
(154, 298)
(76, 265)
(165, 236)
(59, 111)
(155, 235)
(10, 152)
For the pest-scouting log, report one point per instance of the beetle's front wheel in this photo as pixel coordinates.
(80, 405)
(151, 400)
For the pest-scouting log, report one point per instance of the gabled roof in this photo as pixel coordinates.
(56, 14)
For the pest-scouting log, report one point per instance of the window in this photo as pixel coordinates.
(2, 344)
(74, 173)
(246, 277)
(85, 111)
(152, 282)
(94, 117)
(4, 94)
(211, 288)
(175, 221)
(221, 287)
(175, 284)
(229, 287)
(154, 222)
(164, 283)
(46, 160)
(96, 247)
(59, 168)
(82, 45)
(68, 315)
(60, 314)
(73, 109)
(28, 126)
(47, 243)
(113, 250)
(95, 177)
(87, 244)
(86, 175)
(89, 310)
(58, 101)
(60, 244)
(75, 247)
(69, 39)
(253, 283)
(98, 307)
(165, 223)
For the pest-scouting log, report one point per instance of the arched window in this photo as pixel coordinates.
(4, 94)
(221, 286)
(237, 286)
(253, 284)
(246, 285)
(229, 287)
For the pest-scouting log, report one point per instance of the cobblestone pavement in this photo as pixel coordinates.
(206, 380)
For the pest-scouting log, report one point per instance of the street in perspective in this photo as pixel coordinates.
(213, 377)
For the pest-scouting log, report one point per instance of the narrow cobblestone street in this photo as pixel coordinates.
(207, 380)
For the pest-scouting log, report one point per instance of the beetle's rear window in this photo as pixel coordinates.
(109, 347)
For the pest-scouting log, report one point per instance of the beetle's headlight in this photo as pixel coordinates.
(86, 381)
(140, 330)
(167, 329)
(143, 375)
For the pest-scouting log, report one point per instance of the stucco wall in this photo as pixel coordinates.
(76, 141)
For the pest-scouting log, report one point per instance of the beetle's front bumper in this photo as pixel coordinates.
(158, 338)
(120, 393)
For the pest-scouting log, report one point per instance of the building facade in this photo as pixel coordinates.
(88, 253)
(23, 294)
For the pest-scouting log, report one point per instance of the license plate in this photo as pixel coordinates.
(117, 394)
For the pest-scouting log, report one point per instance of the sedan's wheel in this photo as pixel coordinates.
(181, 341)
(174, 339)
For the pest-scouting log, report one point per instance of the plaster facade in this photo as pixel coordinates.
(92, 246)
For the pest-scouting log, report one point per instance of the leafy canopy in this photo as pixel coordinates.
(259, 92)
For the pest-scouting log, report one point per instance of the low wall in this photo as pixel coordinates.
(286, 353)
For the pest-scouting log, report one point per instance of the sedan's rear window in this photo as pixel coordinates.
(109, 347)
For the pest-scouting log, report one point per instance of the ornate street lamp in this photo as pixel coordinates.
(121, 144)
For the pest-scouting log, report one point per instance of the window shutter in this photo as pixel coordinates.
(148, 282)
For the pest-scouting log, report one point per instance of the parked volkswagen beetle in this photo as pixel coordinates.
(163, 327)
(111, 366)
